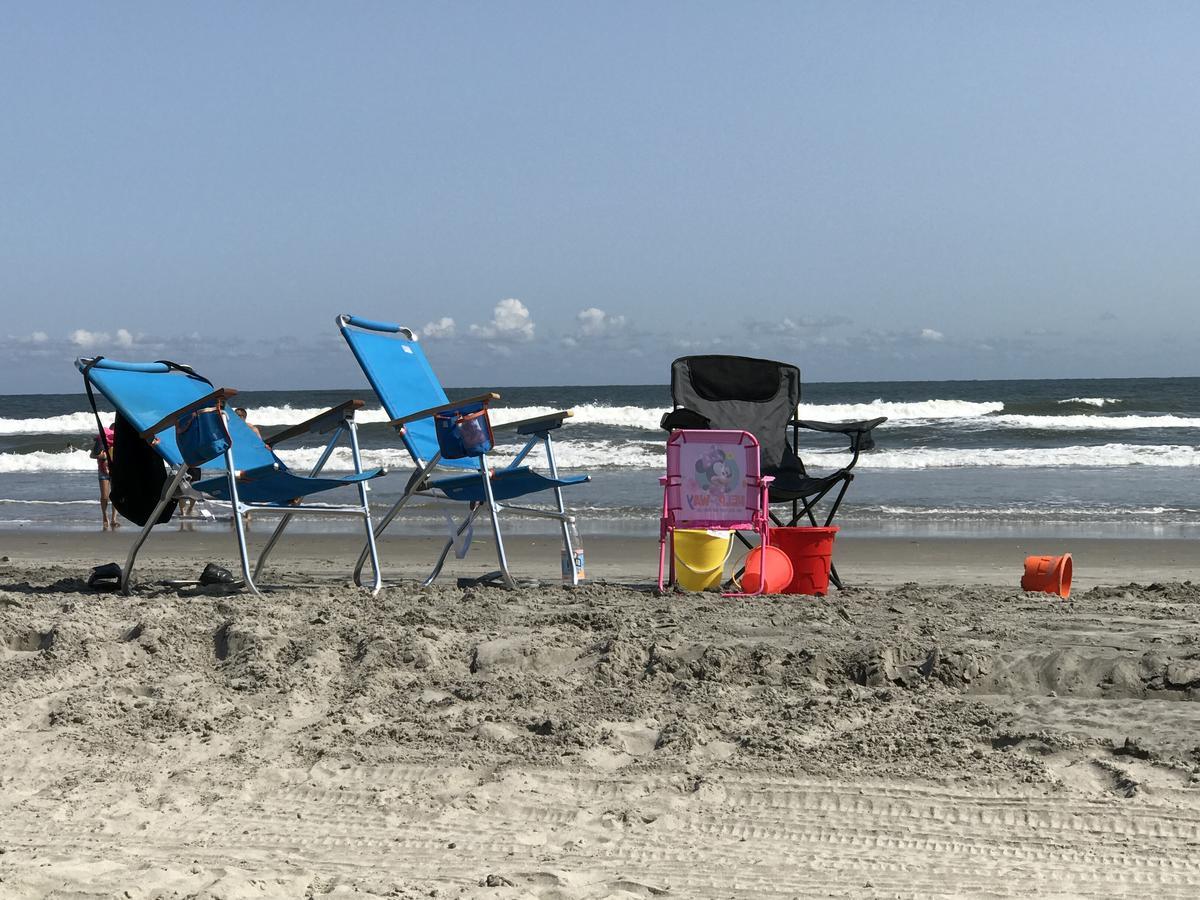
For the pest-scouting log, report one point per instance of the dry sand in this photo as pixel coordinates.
(923, 733)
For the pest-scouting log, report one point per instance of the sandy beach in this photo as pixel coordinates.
(930, 731)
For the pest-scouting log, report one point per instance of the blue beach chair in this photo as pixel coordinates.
(157, 397)
(412, 396)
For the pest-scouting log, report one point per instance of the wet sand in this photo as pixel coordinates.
(930, 731)
(864, 561)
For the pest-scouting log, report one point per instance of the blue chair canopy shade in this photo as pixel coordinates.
(145, 393)
(405, 383)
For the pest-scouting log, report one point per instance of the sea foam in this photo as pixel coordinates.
(606, 454)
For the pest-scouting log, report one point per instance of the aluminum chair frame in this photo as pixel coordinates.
(537, 431)
(753, 484)
(338, 419)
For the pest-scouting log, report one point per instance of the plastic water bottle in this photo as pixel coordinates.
(574, 561)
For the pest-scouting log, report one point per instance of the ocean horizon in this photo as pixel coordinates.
(1086, 457)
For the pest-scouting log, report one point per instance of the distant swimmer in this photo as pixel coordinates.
(241, 411)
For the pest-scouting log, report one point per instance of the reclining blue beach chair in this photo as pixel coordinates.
(412, 396)
(158, 398)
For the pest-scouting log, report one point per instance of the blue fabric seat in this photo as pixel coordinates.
(507, 484)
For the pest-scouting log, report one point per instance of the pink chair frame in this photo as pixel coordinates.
(704, 489)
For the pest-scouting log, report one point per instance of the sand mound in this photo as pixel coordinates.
(546, 743)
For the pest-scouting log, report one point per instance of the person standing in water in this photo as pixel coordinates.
(102, 449)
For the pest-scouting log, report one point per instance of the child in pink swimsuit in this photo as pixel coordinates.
(101, 456)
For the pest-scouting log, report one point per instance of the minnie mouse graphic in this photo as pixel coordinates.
(716, 471)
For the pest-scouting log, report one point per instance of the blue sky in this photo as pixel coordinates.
(578, 193)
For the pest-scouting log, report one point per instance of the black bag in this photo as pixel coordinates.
(138, 476)
(137, 473)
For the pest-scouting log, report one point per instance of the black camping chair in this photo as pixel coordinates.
(761, 396)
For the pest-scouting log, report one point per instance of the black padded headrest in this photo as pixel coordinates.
(743, 378)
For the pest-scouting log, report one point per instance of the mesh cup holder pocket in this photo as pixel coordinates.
(202, 435)
(464, 433)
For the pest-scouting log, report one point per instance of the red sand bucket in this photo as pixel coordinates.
(811, 553)
(777, 574)
(1048, 575)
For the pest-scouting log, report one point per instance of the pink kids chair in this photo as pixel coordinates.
(713, 481)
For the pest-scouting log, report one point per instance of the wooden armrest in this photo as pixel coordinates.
(219, 396)
(445, 407)
(320, 423)
(537, 424)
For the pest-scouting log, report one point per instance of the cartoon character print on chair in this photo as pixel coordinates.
(715, 486)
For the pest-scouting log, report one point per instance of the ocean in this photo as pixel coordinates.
(1094, 457)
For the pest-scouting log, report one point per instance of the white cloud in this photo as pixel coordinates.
(807, 324)
(86, 340)
(705, 343)
(510, 321)
(81, 337)
(593, 321)
(929, 334)
(38, 337)
(442, 328)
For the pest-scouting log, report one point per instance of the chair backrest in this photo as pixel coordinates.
(145, 393)
(742, 393)
(397, 369)
(713, 479)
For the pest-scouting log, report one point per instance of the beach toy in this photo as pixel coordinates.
(1048, 575)
(810, 551)
(775, 571)
(700, 557)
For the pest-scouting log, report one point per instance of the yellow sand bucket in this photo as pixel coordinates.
(700, 557)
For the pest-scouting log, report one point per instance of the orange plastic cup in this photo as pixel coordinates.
(1048, 575)
(772, 569)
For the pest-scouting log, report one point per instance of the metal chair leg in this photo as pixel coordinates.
(418, 478)
(493, 509)
(377, 582)
(378, 530)
(169, 489)
(283, 522)
(564, 525)
(231, 474)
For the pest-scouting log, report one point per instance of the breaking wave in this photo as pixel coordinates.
(608, 454)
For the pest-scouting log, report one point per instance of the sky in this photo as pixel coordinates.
(577, 193)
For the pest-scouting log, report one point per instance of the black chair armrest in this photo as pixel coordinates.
(840, 427)
(537, 424)
(320, 423)
(858, 432)
(684, 418)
